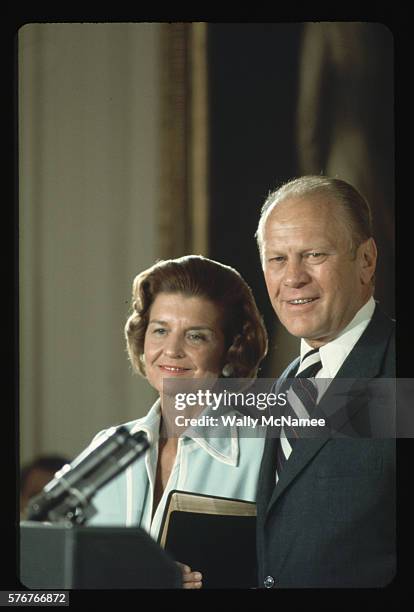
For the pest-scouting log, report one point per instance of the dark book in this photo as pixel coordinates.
(213, 535)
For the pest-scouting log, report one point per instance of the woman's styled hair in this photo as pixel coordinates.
(194, 275)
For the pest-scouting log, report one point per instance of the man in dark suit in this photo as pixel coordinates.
(326, 504)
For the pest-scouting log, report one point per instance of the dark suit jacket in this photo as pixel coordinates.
(330, 520)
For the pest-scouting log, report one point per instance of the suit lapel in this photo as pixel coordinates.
(367, 357)
(364, 361)
(266, 482)
(304, 451)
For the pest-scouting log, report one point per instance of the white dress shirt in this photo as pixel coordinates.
(334, 353)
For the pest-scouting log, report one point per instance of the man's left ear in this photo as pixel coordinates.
(368, 260)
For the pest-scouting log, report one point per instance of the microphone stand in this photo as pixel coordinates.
(67, 498)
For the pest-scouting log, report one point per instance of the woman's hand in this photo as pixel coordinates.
(191, 580)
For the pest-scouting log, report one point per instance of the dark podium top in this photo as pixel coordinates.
(72, 557)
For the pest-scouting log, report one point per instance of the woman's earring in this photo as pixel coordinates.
(227, 370)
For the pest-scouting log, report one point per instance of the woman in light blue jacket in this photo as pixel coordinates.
(192, 318)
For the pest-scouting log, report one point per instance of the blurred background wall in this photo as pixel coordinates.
(89, 185)
(139, 141)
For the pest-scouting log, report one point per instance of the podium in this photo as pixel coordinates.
(54, 556)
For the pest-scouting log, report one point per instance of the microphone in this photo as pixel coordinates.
(68, 496)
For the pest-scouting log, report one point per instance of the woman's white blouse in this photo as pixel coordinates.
(221, 466)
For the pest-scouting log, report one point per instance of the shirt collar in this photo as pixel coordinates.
(150, 423)
(224, 448)
(334, 353)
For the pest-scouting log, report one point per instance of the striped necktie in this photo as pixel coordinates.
(301, 396)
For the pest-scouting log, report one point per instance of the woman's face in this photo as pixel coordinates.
(184, 338)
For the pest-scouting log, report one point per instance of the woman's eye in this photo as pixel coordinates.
(159, 331)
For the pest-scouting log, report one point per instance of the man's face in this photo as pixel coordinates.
(315, 283)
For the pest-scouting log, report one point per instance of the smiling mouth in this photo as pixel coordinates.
(301, 301)
(173, 369)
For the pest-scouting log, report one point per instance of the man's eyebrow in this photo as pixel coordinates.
(321, 246)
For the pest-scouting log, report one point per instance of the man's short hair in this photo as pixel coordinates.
(357, 213)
